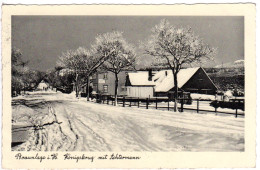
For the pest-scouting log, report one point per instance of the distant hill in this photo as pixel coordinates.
(235, 64)
(228, 76)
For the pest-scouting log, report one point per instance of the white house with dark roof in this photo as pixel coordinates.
(139, 84)
(145, 84)
(43, 85)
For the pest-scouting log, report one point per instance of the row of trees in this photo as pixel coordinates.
(22, 77)
(167, 46)
(110, 52)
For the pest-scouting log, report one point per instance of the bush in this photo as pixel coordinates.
(229, 105)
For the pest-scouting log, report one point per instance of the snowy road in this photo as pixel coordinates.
(62, 122)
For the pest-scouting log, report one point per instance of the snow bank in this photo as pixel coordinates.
(202, 96)
(21, 115)
(228, 93)
(72, 95)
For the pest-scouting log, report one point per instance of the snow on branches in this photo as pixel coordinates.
(176, 46)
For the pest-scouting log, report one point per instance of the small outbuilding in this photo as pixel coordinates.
(43, 85)
(139, 84)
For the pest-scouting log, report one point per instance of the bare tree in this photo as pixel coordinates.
(74, 62)
(92, 61)
(120, 54)
(83, 63)
(176, 47)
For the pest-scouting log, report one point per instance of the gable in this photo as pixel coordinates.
(164, 79)
(200, 80)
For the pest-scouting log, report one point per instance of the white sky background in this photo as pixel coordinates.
(155, 2)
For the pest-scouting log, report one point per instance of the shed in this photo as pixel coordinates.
(43, 85)
(140, 84)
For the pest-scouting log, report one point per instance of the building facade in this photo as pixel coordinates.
(140, 84)
(161, 84)
(104, 83)
(146, 84)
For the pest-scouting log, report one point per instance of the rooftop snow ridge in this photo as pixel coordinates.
(164, 79)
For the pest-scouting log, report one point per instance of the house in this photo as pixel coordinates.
(145, 84)
(140, 84)
(161, 83)
(43, 85)
(104, 83)
(193, 80)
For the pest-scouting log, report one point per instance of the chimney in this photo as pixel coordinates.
(150, 75)
(166, 73)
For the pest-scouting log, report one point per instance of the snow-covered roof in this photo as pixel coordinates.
(140, 78)
(164, 81)
(44, 82)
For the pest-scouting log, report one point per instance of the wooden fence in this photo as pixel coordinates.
(163, 103)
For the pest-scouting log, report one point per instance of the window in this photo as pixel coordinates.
(105, 88)
(105, 75)
(123, 88)
(94, 76)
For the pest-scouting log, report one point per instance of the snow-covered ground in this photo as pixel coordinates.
(202, 96)
(65, 123)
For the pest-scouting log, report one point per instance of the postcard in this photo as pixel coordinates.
(129, 86)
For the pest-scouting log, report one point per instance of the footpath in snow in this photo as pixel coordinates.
(66, 123)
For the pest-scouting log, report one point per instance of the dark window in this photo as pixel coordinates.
(105, 75)
(123, 88)
(105, 88)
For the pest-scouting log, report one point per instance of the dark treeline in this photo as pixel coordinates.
(23, 78)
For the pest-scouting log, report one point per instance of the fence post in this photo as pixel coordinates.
(130, 103)
(156, 103)
(198, 106)
(216, 109)
(113, 101)
(236, 105)
(168, 103)
(182, 102)
(103, 99)
(138, 102)
(147, 103)
(124, 101)
(107, 100)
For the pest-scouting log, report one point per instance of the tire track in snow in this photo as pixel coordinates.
(53, 137)
(66, 129)
(132, 129)
(125, 131)
(88, 133)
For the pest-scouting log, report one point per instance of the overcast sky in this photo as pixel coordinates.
(43, 38)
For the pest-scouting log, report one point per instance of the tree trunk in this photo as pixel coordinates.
(76, 85)
(87, 88)
(175, 91)
(116, 87)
